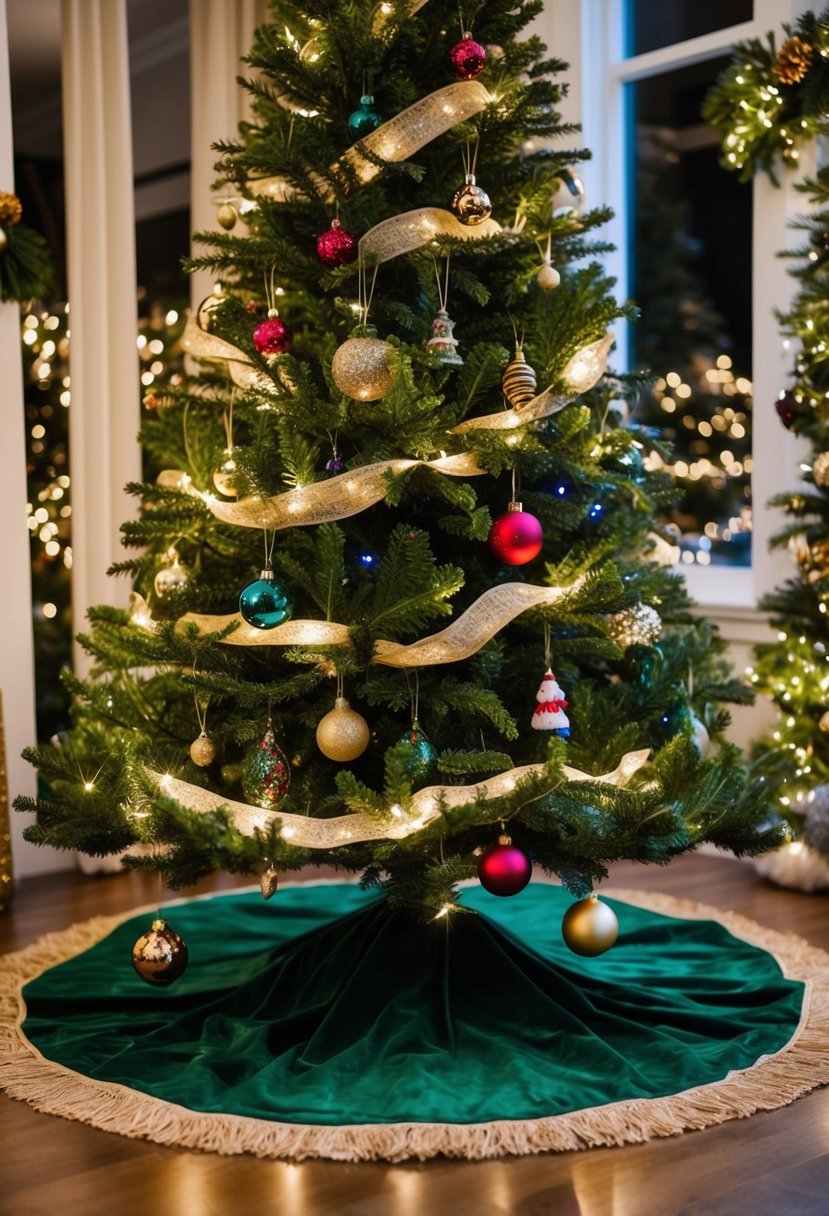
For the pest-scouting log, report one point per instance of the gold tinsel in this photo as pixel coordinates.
(793, 60)
(11, 209)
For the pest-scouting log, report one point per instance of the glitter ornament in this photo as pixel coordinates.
(171, 581)
(467, 58)
(334, 465)
(11, 209)
(268, 881)
(443, 344)
(272, 336)
(267, 775)
(364, 119)
(504, 869)
(589, 927)
(820, 470)
(265, 603)
(788, 409)
(470, 204)
(203, 751)
(423, 755)
(549, 712)
(518, 382)
(548, 277)
(640, 624)
(160, 956)
(343, 734)
(516, 536)
(222, 477)
(360, 366)
(227, 215)
(336, 247)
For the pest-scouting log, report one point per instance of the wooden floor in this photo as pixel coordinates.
(774, 1164)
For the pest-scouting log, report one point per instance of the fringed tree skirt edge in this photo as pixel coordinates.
(772, 1082)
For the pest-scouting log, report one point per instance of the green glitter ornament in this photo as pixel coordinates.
(267, 775)
(423, 754)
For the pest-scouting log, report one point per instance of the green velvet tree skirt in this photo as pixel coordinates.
(322, 1024)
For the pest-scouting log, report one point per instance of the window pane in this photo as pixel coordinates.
(690, 232)
(653, 23)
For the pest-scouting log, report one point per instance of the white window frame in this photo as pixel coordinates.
(589, 35)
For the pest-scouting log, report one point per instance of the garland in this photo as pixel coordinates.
(767, 103)
(25, 265)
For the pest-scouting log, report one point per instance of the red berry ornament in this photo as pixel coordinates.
(516, 536)
(504, 869)
(272, 336)
(467, 58)
(336, 247)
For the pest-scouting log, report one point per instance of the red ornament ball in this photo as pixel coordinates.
(272, 337)
(516, 536)
(336, 247)
(504, 869)
(467, 58)
(788, 409)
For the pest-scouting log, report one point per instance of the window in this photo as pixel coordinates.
(639, 71)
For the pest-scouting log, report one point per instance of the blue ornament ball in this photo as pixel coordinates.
(265, 603)
(423, 755)
(364, 120)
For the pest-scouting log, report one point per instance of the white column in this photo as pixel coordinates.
(100, 230)
(221, 32)
(16, 647)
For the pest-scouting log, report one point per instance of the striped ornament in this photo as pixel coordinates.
(518, 383)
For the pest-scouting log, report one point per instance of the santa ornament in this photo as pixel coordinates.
(549, 712)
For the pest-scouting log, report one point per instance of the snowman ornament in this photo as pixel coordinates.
(549, 712)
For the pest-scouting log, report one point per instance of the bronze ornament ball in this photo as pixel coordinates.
(343, 734)
(589, 927)
(160, 956)
(470, 204)
(360, 368)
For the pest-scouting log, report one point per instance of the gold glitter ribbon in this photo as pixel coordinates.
(481, 621)
(198, 342)
(412, 229)
(306, 832)
(395, 140)
(322, 501)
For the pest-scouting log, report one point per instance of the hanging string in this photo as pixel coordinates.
(270, 291)
(269, 547)
(514, 499)
(201, 714)
(548, 654)
(228, 421)
(416, 700)
(364, 294)
(332, 439)
(443, 291)
(470, 157)
(460, 18)
(340, 686)
(185, 435)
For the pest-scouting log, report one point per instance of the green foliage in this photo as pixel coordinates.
(414, 562)
(26, 270)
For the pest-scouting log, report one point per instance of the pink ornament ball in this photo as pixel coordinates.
(504, 869)
(336, 247)
(516, 536)
(467, 58)
(272, 337)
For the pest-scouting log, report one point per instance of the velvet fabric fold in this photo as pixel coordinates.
(324, 1007)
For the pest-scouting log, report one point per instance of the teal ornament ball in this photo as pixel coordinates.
(365, 119)
(267, 775)
(265, 603)
(423, 754)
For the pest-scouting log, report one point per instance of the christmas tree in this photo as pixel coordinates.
(794, 758)
(395, 513)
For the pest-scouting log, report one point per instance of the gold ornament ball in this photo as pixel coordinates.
(222, 478)
(171, 580)
(4, 240)
(343, 734)
(640, 625)
(820, 470)
(160, 956)
(589, 927)
(360, 368)
(824, 722)
(227, 215)
(203, 751)
(548, 277)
